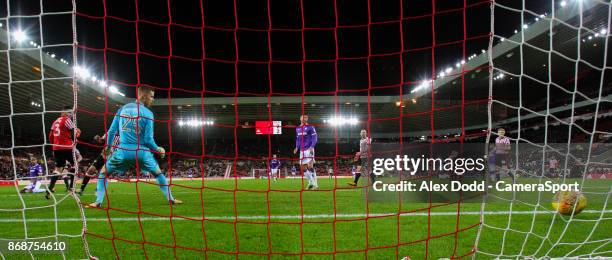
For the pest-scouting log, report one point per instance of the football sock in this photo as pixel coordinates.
(308, 176)
(85, 182)
(65, 179)
(357, 176)
(101, 188)
(71, 182)
(313, 173)
(53, 180)
(163, 186)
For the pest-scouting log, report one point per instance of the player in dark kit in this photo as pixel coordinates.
(61, 138)
(98, 163)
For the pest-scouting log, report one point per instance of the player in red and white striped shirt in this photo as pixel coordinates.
(502, 151)
(61, 138)
(362, 159)
(502, 139)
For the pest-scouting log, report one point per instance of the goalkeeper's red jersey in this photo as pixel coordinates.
(60, 135)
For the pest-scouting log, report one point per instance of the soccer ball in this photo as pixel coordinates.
(564, 201)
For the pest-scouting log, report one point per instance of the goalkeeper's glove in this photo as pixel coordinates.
(161, 151)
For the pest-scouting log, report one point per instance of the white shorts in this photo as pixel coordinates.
(274, 172)
(35, 187)
(307, 156)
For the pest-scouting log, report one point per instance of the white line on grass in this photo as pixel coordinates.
(413, 214)
(179, 192)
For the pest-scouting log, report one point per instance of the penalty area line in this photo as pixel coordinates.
(315, 216)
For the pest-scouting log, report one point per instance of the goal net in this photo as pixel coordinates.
(37, 86)
(557, 56)
(408, 72)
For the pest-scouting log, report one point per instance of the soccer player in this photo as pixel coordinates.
(71, 170)
(98, 163)
(362, 158)
(134, 123)
(34, 170)
(502, 152)
(61, 139)
(552, 167)
(493, 173)
(274, 167)
(305, 141)
(190, 172)
(293, 170)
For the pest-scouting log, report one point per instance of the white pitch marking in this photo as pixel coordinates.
(187, 192)
(413, 214)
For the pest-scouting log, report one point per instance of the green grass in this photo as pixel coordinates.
(287, 235)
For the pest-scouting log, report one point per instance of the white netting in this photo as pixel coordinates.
(35, 70)
(559, 142)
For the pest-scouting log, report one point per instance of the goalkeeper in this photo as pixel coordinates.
(134, 122)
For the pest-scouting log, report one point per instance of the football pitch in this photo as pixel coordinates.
(258, 219)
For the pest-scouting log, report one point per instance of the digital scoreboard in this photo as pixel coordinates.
(268, 127)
